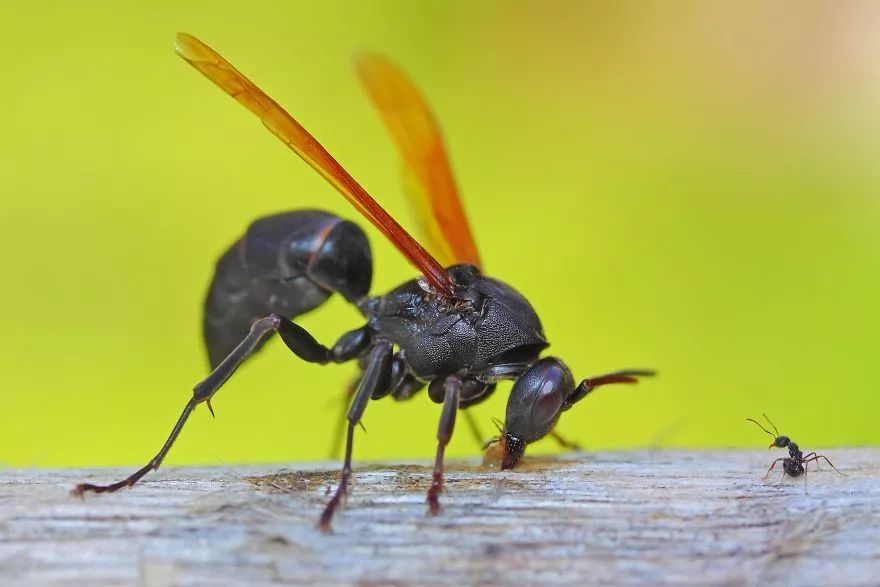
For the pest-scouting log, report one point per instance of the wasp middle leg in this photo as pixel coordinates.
(376, 378)
(451, 396)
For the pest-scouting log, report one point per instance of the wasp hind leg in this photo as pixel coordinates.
(297, 339)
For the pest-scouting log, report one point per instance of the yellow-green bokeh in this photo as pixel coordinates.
(689, 188)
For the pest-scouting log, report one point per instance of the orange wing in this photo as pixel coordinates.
(286, 128)
(427, 172)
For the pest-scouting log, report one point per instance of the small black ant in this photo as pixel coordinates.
(795, 464)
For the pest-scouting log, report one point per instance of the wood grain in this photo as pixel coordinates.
(695, 518)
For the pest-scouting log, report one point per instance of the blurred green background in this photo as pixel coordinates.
(692, 188)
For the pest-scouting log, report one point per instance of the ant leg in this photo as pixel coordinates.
(588, 385)
(375, 377)
(817, 457)
(806, 466)
(452, 394)
(767, 474)
(297, 340)
(817, 463)
(564, 442)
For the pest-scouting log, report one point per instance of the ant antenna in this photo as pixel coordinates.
(776, 430)
(761, 426)
(500, 426)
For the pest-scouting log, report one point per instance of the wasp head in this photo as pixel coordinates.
(534, 406)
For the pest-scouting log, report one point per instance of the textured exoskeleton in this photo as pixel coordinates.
(455, 330)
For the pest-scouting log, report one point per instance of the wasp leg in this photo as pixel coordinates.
(399, 381)
(564, 442)
(376, 376)
(817, 457)
(336, 445)
(151, 466)
(471, 394)
(297, 340)
(473, 427)
(452, 394)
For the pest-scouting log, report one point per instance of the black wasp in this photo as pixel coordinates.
(796, 463)
(454, 330)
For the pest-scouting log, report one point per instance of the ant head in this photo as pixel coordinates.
(533, 408)
(779, 441)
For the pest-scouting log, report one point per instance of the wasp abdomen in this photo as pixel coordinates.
(287, 264)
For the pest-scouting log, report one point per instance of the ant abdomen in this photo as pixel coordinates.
(792, 468)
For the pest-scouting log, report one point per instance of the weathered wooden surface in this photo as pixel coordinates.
(609, 518)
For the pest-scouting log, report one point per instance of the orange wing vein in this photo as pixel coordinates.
(213, 66)
(427, 173)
